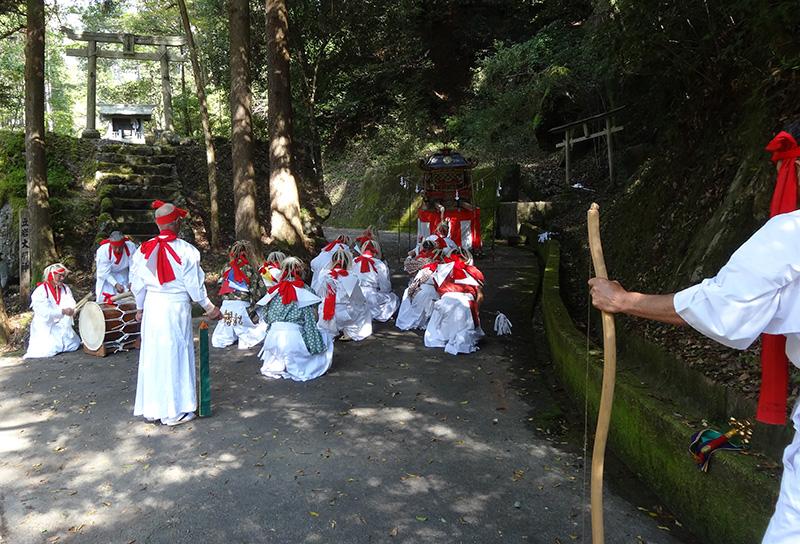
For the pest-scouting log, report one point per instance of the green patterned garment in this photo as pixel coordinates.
(305, 317)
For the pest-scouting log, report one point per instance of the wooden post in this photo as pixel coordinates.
(567, 145)
(610, 151)
(91, 91)
(166, 90)
(24, 255)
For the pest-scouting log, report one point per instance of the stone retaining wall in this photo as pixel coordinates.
(650, 432)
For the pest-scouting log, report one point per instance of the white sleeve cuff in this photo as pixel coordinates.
(207, 304)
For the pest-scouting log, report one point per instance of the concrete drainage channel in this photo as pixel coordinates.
(650, 429)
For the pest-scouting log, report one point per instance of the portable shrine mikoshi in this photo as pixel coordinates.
(447, 192)
(109, 328)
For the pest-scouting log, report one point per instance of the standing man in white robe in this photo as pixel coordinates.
(166, 278)
(112, 262)
(757, 291)
(53, 307)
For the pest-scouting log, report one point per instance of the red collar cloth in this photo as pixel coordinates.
(163, 267)
(50, 289)
(367, 263)
(236, 264)
(440, 243)
(119, 243)
(774, 363)
(337, 272)
(363, 238)
(287, 289)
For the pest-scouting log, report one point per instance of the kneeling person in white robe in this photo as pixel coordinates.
(345, 309)
(53, 307)
(375, 281)
(419, 297)
(454, 324)
(241, 286)
(294, 348)
(323, 260)
(166, 278)
(112, 262)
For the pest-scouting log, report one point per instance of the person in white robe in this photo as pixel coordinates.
(419, 297)
(757, 291)
(112, 263)
(440, 238)
(295, 348)
(344, 309)
(53, 307)
(454, 323)
(166, 278)
(240, 287)
(324, 258)
(375, 281)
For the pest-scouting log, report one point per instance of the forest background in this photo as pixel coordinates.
(376, 85)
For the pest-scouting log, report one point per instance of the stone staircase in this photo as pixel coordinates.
(129, 177)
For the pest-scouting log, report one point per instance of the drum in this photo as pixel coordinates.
(109, 328)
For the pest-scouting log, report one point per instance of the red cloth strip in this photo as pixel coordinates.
(236, 264)
(49, 289)
(774, 363)
(171, 217)
(107, 298)
(367, 262)
(163, 267)
(118, 243)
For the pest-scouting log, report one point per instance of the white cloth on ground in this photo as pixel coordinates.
(166, 379)
(246, 332)
(502, 325)
(451, 325)
(415, 312)
(51, 331)
(285, 354)
(758, 291)
(377, 288)
(109, 272)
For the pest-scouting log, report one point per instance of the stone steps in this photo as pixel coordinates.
(138, 169)
(121, 158)
(132, 176)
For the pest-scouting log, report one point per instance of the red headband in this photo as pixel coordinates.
(171, 217)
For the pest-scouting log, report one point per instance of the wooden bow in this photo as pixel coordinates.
(609, 376)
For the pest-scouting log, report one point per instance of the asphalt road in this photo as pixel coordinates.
(397, 443)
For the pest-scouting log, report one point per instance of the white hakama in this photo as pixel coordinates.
(451, 326)
(109, 272)
(51, 331)
(166, 380)
(415, 312)
(757, 291)
(245, 331)
(166, 386)
(377, 288)
(285, 354)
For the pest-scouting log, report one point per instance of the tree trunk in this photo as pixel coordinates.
(211, 155)
(43, 249)
(284, 199)
(244, 175)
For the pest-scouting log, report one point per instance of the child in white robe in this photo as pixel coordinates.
(241, 286)
(324, 258)
(420, 295)
(53, 307)
(344, 309)
(454, 324)
(375, 281)
(294, 348)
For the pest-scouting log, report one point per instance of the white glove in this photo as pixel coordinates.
(502, 325)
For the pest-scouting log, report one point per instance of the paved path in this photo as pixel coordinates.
(397, 443)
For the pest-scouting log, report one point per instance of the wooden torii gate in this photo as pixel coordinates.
(129, 41)
(570, 138)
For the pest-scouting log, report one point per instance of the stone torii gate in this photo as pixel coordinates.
(129, 41)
